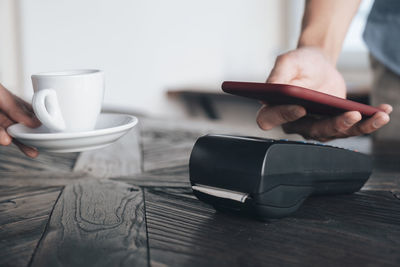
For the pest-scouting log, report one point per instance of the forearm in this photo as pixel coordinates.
(325, 24)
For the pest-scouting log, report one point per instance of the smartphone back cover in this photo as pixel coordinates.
(284, 94)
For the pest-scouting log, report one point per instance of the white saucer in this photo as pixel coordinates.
(109, 128)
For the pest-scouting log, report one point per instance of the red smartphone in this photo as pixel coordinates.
(283, 94)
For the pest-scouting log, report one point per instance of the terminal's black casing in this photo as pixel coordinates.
(277, 175)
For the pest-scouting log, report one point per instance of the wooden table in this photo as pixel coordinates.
(130, 204)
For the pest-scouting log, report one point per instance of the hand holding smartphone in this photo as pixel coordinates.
(283, 94)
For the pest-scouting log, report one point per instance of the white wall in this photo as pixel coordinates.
(10, 60)
(149, 46)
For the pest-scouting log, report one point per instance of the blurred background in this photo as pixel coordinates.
(165, 58)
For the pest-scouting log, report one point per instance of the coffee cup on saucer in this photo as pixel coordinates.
(68, 101)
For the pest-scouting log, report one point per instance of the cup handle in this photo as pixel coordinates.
(47, 110)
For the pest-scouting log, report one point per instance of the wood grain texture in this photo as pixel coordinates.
(95, 223)
(9, 192)
(98, 222)
(177, 176)
(24, 213)
(168, 143)
(164, 149)
(387, 181)
(122, 158)
(27, 205)
(40, 178)
(11, 159)
(349, 230)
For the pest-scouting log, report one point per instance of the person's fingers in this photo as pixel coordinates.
(345, 125)
(371, 124)
(5, 138)
(27, 105)
(17, 114)
(386, 107)
(324, 129)
(5, 121)
(335, 127)
(24, 114)
(27, 150)
(17, 109)
(269, 117)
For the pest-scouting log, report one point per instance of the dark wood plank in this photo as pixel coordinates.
(24, 213)
(27, 204)
(388, 181)
(163, 149)
(10, 192)
(19, 240)
(96, 223)
(177, 176)
(168, 143)
(40, 178)
(122, 158)
(102, 222)
(349, 230)
(11, 159)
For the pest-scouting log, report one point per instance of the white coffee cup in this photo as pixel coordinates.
(68, 101)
